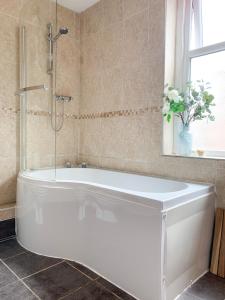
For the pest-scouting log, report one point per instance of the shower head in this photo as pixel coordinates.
(51, 40)
(62, 30)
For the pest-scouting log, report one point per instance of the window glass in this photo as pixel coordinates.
(193, 34)
(210, 135)
(213, 20)
(210, 22)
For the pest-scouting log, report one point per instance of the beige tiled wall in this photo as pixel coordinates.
(68, 84)
(35, 15)
(116, 87)
(122, 48)
(9, 78)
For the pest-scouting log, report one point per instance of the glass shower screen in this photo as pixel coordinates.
(37, 86)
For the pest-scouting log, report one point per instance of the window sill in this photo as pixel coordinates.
(196, 156)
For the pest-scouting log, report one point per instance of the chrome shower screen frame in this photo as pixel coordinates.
(23, 100)
(36, 89)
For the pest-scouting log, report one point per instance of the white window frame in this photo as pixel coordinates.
(200, 50)
(194, 10)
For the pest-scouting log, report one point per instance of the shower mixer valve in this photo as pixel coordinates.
(60, 98)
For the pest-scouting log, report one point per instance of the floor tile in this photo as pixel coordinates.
(187, 296)
(7, 229)
(10, 248)
(114, 289)
(92, 291)
(16, 291)
(56, 282)
(29, 263)
(209, 287)
(6, 276)
(83, 269)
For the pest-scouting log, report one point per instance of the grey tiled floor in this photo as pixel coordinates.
(27, 276)
(209, 287)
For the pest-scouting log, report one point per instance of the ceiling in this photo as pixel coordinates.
(77, 5)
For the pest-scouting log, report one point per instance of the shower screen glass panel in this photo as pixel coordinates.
(37, 86)
(67, 43)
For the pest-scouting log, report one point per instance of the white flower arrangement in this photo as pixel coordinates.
(193, 104)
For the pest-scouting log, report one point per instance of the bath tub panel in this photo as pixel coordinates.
(120, 240)
(189, 237)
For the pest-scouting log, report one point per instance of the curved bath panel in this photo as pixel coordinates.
(125, 227)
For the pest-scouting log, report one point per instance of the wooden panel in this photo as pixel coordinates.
(221, 268)
(217, 241)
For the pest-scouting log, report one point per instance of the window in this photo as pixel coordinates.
(208, 23)
(204, 58)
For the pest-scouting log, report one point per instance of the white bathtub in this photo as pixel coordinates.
(149, 236)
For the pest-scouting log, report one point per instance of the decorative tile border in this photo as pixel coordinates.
(48, 113)
(120, 113)
(36, 112)
(9, 110)
(89, 116)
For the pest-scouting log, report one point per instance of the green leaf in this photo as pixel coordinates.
(177, 107)
(168, 118)
(212, 118)
(194, 94)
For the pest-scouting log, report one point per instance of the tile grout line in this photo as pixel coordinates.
(82, 272)
(74, 291)
(96, 280)
(68, 263)
(35, 273)
(30, 290)
(20, 280)
(70, 293)
(112, 293)
(5, 259)
(93, 280)
(13, 237)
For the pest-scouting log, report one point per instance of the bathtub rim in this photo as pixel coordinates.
(22, 174)
(170, 178)
(174, 200)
